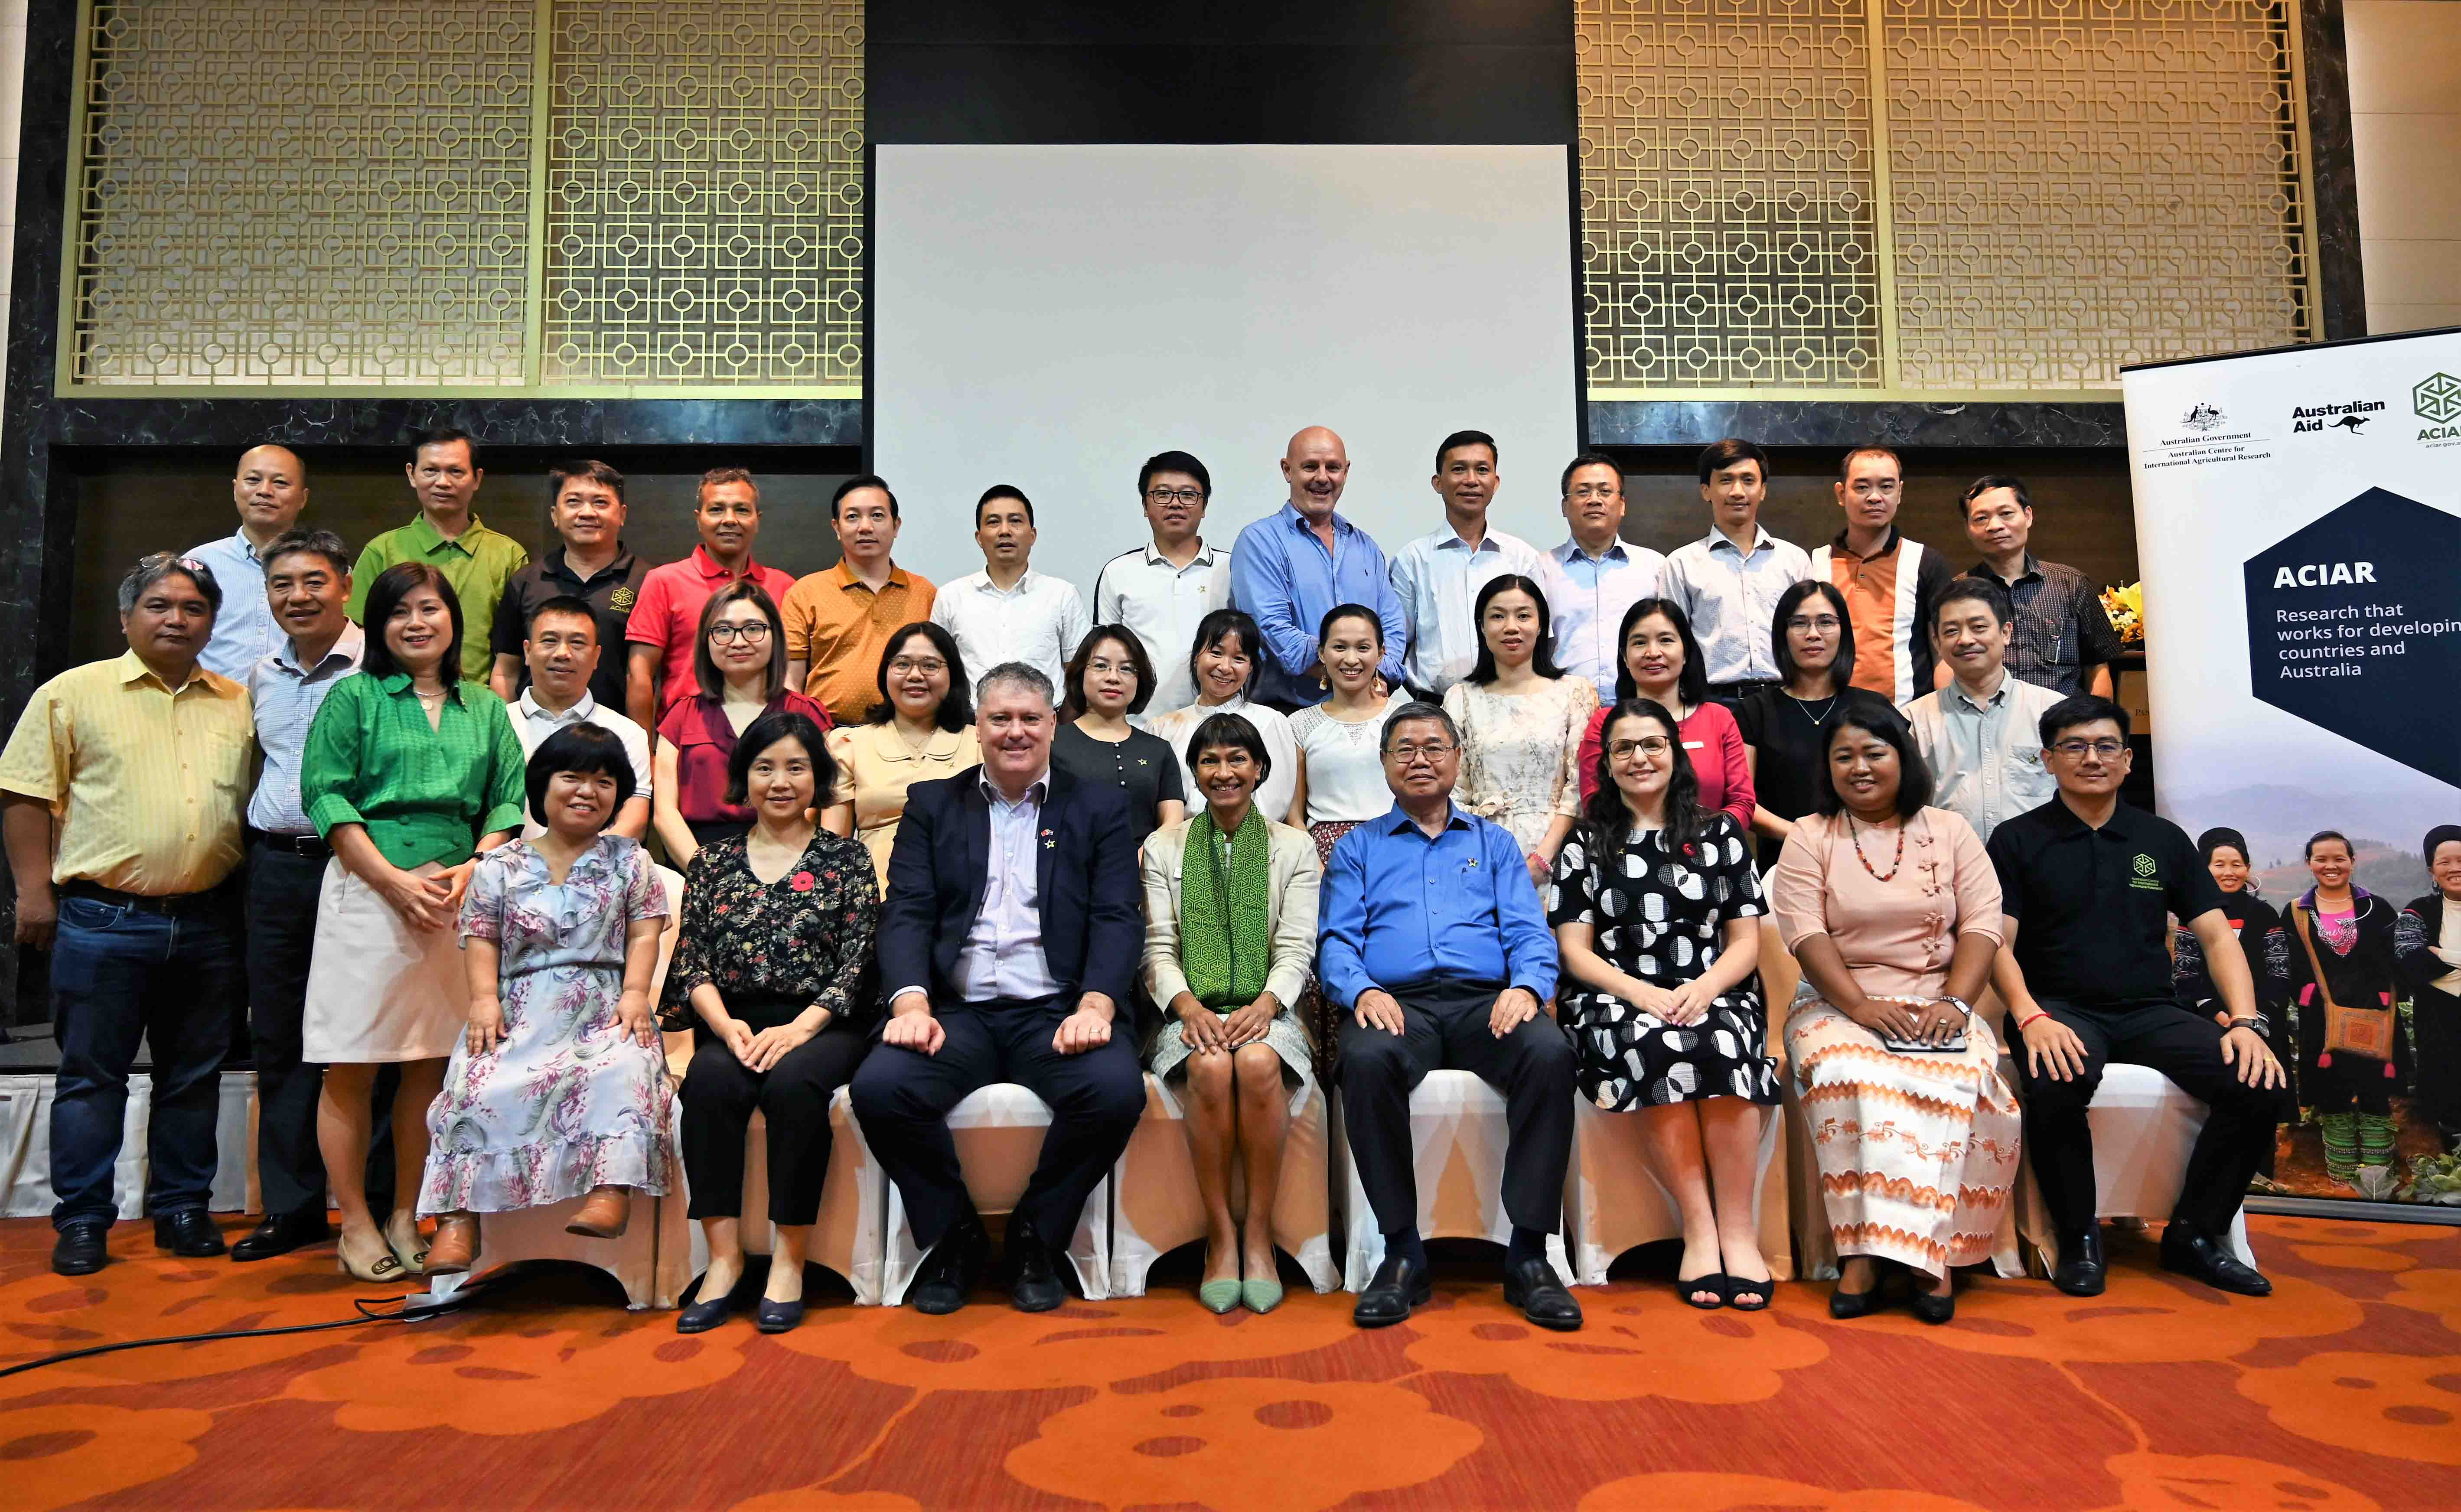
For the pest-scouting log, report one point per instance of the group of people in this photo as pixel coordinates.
(1289, 807)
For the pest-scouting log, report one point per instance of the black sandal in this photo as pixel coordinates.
(1714, 1283)
(1763, 1289)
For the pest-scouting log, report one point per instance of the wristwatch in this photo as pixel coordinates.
(1962, 1006)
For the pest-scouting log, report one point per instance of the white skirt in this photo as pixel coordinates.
(378, 989)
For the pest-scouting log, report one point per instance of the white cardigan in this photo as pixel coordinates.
(1297, 878)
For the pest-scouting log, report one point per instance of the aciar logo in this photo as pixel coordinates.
(2437, 400)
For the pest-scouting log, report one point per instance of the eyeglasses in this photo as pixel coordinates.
(1824, 622)
(754, 631)
(1410, 751)
(1175, 496)
(1646, 745)
(926, 665)
(2075, 749)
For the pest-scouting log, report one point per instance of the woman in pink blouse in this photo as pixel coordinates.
(1662, 661)
(1893, 911)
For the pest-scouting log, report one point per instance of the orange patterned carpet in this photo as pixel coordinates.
(2342, 1392)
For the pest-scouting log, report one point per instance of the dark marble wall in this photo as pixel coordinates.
(2334, 187)
(1834, 424)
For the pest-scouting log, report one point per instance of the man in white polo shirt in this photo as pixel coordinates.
(561, 648)
(1009, 612)
(1162, 589)
(1438, 577)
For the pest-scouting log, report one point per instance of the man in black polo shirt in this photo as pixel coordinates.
(588, 512)
(2086, 979)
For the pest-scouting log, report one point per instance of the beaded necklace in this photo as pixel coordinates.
(1895, 867)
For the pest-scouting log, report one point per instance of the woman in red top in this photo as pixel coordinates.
(741, 654)
(1662, 661)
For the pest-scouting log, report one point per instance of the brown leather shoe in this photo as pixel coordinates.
(455, 1245)
(603, 1214)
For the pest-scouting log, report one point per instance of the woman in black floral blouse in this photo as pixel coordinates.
(773, 969)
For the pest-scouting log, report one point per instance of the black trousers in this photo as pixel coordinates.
(282, 891)
(720, 1095)
(903, 1098)
(2182, 1044)
(1444, 1027)
(2436, 1021)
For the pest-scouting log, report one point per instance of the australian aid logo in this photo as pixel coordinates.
(2351, 417)
(2437, 400)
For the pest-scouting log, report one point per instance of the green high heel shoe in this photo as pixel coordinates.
(1261, 1295)
(1219, 1296)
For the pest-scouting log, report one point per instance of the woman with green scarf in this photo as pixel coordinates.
(1231, 901)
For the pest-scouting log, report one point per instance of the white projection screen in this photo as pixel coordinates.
(1050, 317)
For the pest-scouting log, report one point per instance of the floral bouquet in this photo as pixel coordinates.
(2126, 606)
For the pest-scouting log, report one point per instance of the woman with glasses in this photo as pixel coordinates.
(1893, 910)
(923, 728)
(1225, 663)
(1521, 721)
(1661, 662)
(1785, 729)
(1652, 904)
(1109, 681)
(740, 665)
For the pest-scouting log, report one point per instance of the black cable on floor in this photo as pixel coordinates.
(406, 1313)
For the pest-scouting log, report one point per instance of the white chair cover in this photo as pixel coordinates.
(1615, 1202)
(25, 1146)
(999, 1130)
(1457, 1140)
(1155, 1208)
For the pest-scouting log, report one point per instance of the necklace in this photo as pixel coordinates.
(1817, 718)
(1895, 867)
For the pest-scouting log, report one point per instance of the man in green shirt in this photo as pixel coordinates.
(444, 473)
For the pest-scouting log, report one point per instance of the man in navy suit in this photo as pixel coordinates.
(1007, 940)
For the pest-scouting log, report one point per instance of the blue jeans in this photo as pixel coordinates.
(119, 975)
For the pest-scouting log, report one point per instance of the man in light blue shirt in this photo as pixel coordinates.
(1431, 935)
(1594, 578)
(1729, 580)
(1438, 577)
(270, 488)
(306, 582)
(1291, 567)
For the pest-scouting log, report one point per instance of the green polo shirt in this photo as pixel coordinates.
(478, 562)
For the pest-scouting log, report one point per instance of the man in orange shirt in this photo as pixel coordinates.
(665, 628)
(1889, 582)
(839, 620)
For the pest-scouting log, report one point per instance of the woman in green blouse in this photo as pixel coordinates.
(408, 773)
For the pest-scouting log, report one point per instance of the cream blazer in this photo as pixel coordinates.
(1297, 878)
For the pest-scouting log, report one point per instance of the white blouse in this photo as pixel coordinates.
(1345, 766)
(1274, 795)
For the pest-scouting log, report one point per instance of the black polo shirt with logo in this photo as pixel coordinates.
(2093, 907)
(611, 594)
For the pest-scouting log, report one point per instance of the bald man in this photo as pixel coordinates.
(1292, 566)
(270, 488)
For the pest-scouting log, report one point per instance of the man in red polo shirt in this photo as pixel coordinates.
(667, 615)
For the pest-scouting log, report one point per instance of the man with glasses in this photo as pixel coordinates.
(1433, 939)
(1729, 580)
(1890, 582)
(2088, 886)
(1438, 575)
(1980, 734)
(1162, 589)
(1291, 567)
(1594, 577)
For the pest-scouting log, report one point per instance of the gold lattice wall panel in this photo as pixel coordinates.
(301, 196)
(1727, 225)
(705, 194)
(2076, 185)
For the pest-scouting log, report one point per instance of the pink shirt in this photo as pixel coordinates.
(667, 615)
(1897, 936)
(1716, 747)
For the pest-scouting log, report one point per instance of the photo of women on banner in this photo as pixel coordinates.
(2302, 612)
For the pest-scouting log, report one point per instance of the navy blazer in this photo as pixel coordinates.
(1091, 903)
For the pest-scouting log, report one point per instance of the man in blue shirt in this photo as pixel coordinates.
(1292, 566)
(1433, 938)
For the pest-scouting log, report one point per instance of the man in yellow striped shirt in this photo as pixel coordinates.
(124, 784)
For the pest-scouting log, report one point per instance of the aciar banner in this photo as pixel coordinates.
(2299, 529)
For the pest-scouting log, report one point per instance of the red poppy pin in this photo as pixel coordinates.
(1048, 844)
(800, 882)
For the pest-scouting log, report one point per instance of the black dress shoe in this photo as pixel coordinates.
(705, 1314)
(83, 1248)
(1034, 1284)
(1533, 1287)
(2080, 1271)
(2206, 1259)
(948, 1274)
(282, 1233)
(1844, 1304)
(1934, 1306)
(776, 1317)
(189, 1233)
(1398, 1286)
